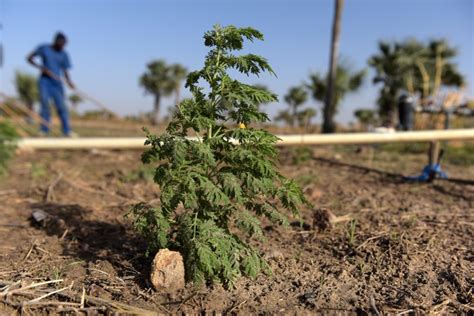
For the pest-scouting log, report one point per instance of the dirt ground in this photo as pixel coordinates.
(406, 249)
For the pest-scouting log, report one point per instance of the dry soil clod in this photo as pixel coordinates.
(324, 219)
(167, 271)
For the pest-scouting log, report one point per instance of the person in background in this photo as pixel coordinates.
(54, 64)
(406, 107)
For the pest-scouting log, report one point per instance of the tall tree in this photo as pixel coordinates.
(329, 125)
(178, 74)
(389, 71)
(445, 72)
(295, 98)
(365, 117)
(346, 81)
(27, 88)
(161, 80)
(415, 67)
(75, 99)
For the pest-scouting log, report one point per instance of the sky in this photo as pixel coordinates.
(111, 41)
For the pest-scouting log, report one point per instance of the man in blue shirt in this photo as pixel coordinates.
(54, 63)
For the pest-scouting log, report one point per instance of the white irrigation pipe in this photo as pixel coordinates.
(304, 139)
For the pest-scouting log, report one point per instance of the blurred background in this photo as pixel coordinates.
(111, 42)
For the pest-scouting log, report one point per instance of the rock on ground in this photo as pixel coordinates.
(167, 271)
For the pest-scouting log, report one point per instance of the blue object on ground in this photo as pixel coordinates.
(429, 173)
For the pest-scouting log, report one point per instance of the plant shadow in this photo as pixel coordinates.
(93, 240)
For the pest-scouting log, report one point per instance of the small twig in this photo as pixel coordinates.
(7, 287)
(83, 297)
(47, 295)
(33, 285)
(302, 232)
(186, 299)
(46, 303)
(371, 238)
(122, 308)
(103, 272)
(374, 306)
(84, 310)
(64, 234)
(50, 190)
(440, 307)
(236, 306)
(29, 252)
(42, 250)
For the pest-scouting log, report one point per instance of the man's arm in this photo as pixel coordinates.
(45, 71)
(68, 80)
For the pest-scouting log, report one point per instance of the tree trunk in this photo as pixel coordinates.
(156, 109)
(329, 110)
(294, 115)
(425, 78)
(438, 73)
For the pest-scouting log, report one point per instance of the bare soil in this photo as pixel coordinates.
(407, 248)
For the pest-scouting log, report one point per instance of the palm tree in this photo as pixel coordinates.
(365, 117)
(411, 66)
(304, 117)
(329, 125)
(161, 80)
(346, 81)
(178, 73)
(445, 71)
(415, 67)
(389, 71)
(27, 89)
(75, 100)
(295, 98)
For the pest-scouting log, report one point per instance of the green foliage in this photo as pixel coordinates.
(365, 116)
(351, 233)
(97, 114)
(26, 87)
(302, 154)
(161, 80)
(215, 189)
(346, 81)
(415, 67)
(7, 147)
(462, 156)
(38, 171)
(75, 99)
(295, 98)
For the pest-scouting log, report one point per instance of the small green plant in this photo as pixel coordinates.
(38, 171)
(8, 135)
(56, 273)
(302, 154)
(295, 98)
(215, 188)
(351, 232)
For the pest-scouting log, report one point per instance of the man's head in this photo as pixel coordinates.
(59, 41)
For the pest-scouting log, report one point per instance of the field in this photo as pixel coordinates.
(403, 247)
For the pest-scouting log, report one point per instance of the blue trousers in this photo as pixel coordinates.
(51, 89)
